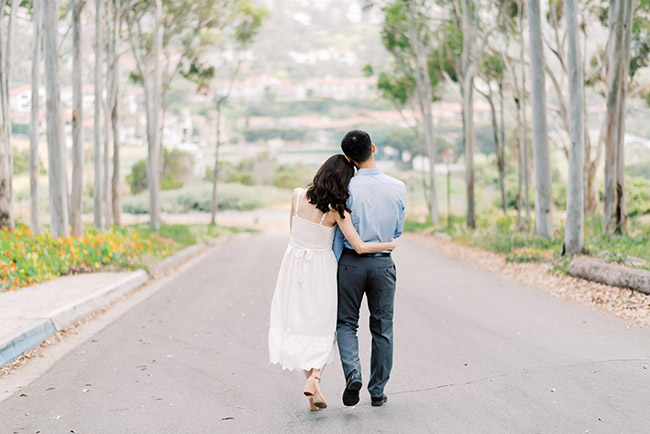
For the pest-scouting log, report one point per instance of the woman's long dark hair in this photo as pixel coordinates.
(330, 185)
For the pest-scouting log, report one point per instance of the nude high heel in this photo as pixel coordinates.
(312, 407)
(312, 390)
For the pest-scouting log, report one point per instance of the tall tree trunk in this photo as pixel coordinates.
(614, 214)
(501, 151)
(542, 163)
(621, 208)
(524, 130)
(14, 5)
(214, 203)
(115, 119)
(34, 160)
(155, 97)
(520, 165)
(468, 71)
(106, 180)
(574, 228)
(498, 139)
(77, 122)
(6, 194)
(57, 184)
(425, 97)
(97, 157)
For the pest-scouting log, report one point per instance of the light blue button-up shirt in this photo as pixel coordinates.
(378, 204)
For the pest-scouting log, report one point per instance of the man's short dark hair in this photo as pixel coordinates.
(357, 146)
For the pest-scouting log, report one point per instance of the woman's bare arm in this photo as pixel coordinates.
(355, 240)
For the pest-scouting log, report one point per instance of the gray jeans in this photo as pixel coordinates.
(376, 277)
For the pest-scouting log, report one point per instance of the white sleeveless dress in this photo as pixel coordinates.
(303, 311)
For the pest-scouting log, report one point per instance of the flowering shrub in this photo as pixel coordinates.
(26, 259)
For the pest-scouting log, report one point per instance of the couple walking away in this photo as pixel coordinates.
(343, 229)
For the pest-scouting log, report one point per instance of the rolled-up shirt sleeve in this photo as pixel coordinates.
(401, 213)
(337, 244)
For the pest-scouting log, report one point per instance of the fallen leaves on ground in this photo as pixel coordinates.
(631, 306)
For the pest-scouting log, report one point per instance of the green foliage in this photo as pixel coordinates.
(187, 235)
(17, 128)
(196, 197)
(177, 168)
(20, 162)
(244, 178)
(638, 196)
(292, 175)
(137, 178)
(26, 259)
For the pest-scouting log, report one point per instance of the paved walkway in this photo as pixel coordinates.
(474, 354)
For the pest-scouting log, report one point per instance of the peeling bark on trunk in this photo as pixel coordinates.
(115, 119)
(34, 169)
(77, 123)
(154, 144)
(614, 211)
(574, 228)
(424, 97)
(542, 164)
(56, 155)
(466, 78)
(97, 158)
(6, 165)
(214, 203)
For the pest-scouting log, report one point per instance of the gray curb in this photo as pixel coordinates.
(18, 342)
(65, 316)
(24, 339)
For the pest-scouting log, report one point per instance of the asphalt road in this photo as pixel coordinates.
(473, 354)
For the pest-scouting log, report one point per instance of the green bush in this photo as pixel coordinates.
(137, 178)
(197, 197)
(638, 196)
(292, 175)
(177, 169)
(244, 178)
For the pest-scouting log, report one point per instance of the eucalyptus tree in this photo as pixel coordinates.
(542, 163)
(471, 21)
(77, 122)
(113, 93)
(415, 73)
(245, 24)
(146, 46)
(97, 156)
(574, 227)
(492, 71)
(34, 194)
(56, 158)
(163, 48)
(618, 67)
(6, 189)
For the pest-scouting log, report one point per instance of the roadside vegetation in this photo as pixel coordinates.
(27, 259)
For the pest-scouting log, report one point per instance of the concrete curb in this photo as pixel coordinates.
(24, 339)
(65, 316)
(19, 341)
(176, 259)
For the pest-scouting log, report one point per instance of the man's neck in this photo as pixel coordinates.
(370, 164)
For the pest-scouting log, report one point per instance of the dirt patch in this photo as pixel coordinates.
(631, 306)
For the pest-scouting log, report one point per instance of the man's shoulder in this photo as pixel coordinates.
(395, 181)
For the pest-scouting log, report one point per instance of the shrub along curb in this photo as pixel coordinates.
(14, 343)
(610, 274)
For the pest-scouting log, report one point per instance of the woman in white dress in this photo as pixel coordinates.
(303, 311)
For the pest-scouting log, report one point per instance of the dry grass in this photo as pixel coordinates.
(628, 305)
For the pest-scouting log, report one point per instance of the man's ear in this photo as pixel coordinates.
(373, 148)
(347, 158)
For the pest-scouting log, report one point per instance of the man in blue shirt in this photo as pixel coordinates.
(377, 203)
